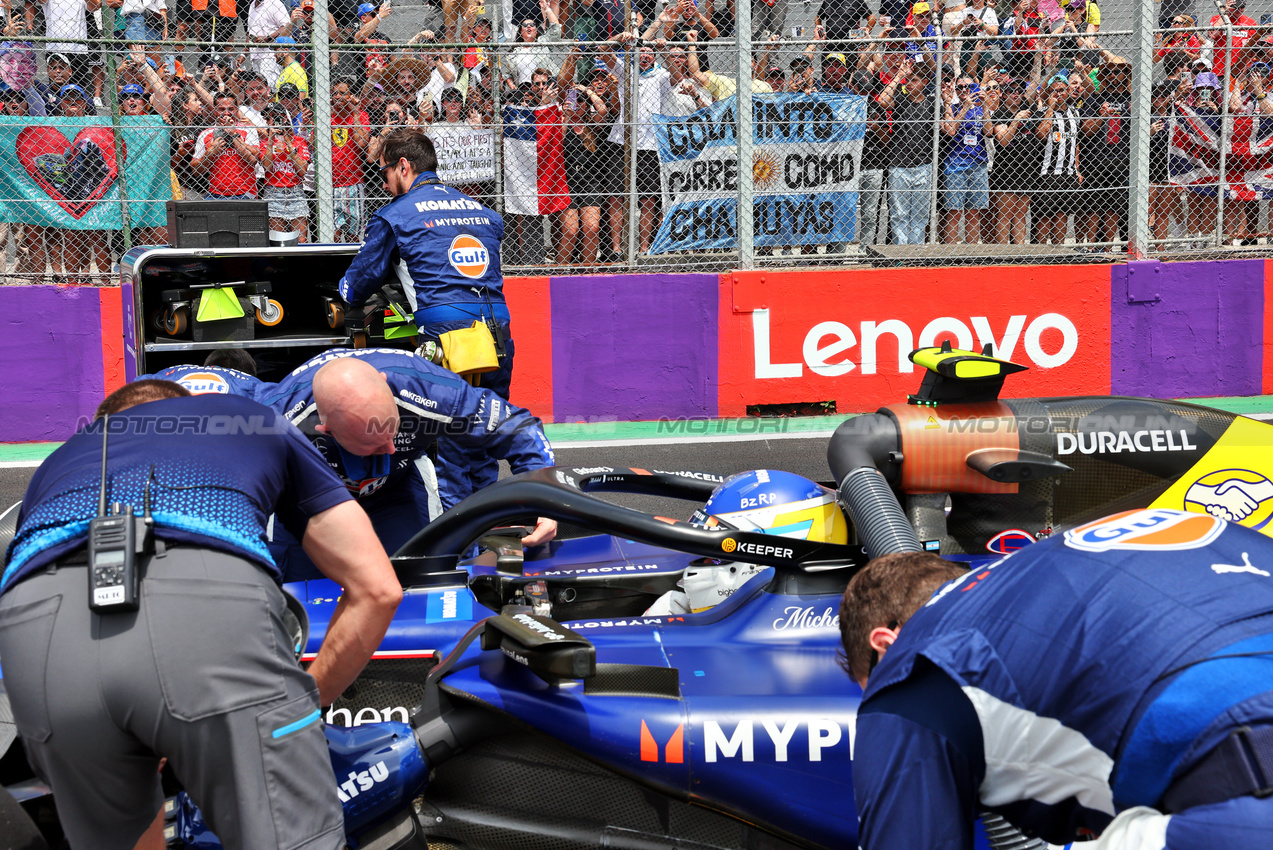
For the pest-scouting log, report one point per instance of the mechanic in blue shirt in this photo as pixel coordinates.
(202, 672)
(444, 248)
(374, 414)
(1113, 681)
(226, 371)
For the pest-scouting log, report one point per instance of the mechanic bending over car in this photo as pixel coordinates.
(766, 500)
(1113, 681)
(444, 248)
(374, 413)
(228, 371)
(202, 671)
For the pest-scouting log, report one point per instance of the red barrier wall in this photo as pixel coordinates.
(802, 336)
(530, 304)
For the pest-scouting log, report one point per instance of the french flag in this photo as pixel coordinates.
(534, 161)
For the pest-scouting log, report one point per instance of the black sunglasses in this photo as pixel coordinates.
(382, 169)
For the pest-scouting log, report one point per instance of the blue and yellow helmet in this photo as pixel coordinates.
(774, 502)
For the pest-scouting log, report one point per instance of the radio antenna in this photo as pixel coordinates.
(101, 498)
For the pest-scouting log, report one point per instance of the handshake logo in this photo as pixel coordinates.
(1234, 495)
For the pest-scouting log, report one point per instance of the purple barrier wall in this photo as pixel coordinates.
(1185, 330)
(626, 346)
(51, 348)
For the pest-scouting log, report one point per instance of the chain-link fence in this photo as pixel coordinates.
(610, 135)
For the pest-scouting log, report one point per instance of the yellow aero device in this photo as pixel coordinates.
(955, 376)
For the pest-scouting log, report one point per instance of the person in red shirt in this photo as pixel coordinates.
(228, 152)
(284, 158)
(351, 130)
(1244, 30)
(1174, 41)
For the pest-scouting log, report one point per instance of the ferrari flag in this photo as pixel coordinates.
(804, 166)
(66, 172)
(1195, 154)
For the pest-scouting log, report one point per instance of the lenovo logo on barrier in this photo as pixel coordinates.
(829, 347)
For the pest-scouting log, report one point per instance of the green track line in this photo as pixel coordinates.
(687, 429)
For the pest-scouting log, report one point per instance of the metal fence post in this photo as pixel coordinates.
(632, 78)
(744, 132)
(112, 97)
(1141, 121)
(497, 119)
(934, 224)
(323, 125)
(1225, 132)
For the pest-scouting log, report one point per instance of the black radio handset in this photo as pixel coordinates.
(116, 537)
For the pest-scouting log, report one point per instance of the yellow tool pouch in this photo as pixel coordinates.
(470, 351)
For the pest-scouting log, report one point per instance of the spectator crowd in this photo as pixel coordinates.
(983, 123)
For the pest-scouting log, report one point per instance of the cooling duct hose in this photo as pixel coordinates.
(878, 518)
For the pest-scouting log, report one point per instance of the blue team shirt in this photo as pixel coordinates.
(442, 246)
(209, 379)
(431, 402)
(962, 155)
(1067, 682)
(222, 465)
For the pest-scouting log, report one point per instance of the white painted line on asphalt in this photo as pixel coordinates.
(20, 464)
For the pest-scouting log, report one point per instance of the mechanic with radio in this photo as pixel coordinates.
(1114, 681)
(227, 371)
(156, 628)
(444, 248)
(374, 414)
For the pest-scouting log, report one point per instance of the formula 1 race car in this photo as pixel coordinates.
(526, 698)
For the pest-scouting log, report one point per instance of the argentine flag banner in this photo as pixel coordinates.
(805, 157)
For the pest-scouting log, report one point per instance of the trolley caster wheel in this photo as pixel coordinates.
(175, 320)
(157, 320)
(359, 339)
(271, 315)
(335, 315)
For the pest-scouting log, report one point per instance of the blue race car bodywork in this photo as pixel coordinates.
(550, 712)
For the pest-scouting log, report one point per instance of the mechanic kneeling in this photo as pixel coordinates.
(202, 671)
(227, 371)
(1114, 681)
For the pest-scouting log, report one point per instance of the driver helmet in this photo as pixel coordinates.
(775, 502)
(768, 501)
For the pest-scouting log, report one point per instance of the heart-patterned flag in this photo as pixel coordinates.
(76, 173)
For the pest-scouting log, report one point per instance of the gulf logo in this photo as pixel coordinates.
(1150, 530)
(1007, 542)
(200, 383)
(468, 256)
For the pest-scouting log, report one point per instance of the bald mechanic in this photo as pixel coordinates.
(444, 248)
(202, 672)
(1113, 681)
(375, 414)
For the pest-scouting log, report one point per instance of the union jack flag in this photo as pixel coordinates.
(1194, 154)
